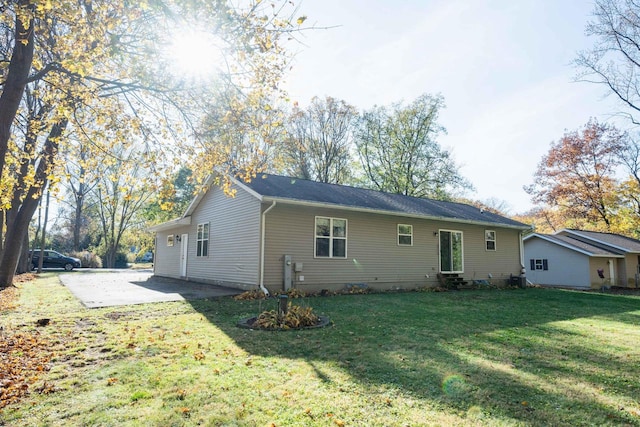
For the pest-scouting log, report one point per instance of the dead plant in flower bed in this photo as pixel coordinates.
(250, 295)
(296, 317)
(296, 293)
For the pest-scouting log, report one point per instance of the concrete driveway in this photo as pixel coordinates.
(96, 288)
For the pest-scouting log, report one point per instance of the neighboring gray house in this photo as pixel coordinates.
(281, 232)
(582, 259)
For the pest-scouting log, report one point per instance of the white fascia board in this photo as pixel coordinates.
(196, 200)
(185, 219)
(179, 222)
(244, 187)
(390, 213)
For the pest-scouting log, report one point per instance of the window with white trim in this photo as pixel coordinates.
(330, 237)
(170, 240)
(405, 235)
(202, 240)
(490, 240)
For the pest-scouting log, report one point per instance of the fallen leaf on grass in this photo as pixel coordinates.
(22, 357)
(8, 298)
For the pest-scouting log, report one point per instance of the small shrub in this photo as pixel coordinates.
(296, 293)
(121, 260)
(250, 295)
(88, 259)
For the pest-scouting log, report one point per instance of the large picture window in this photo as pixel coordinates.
(331, 237)
(405, 235)
(451, 253)
(203, 240)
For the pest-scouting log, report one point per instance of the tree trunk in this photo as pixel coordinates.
(24, 263)
(78, 217)
(14, 240)
(16, 81)
(110, 257)
(12, 92)
(2, 224)
(44, 233)
(24, 212)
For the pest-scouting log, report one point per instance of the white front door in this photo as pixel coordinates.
(184, 244)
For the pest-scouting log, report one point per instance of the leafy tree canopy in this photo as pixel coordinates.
(97, 71)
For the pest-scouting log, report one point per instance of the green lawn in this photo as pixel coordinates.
(516, 357)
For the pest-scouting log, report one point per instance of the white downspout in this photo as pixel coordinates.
(262, 240)
(521, 244)
(523, 269)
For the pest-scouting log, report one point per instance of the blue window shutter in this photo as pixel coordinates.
(532, 264)
(545, 264)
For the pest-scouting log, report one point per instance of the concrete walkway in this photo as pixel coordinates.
(96, 288)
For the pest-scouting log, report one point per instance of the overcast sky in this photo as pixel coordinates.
(503, 67)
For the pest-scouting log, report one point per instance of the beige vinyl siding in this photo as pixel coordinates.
(631, 268)
(373, 255)
(596, 263)
(234, 239)
(500, 263)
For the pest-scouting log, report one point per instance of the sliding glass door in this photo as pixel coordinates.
(451, 254)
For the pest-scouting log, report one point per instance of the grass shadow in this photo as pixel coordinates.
(537, 356)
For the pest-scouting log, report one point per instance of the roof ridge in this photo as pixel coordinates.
(366, 189)
(608, 233)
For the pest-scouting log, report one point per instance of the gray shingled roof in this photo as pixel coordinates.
(577, 244)
(300, 190)
(626, 244)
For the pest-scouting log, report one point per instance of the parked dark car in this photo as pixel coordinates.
(53, 259)
(147, 257)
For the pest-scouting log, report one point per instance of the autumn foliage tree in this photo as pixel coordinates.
(578, 175)
(95, 69)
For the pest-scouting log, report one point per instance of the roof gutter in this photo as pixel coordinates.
(170, 224)
(262, 241)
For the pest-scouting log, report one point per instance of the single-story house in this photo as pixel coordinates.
(582, 259)
(280, 232)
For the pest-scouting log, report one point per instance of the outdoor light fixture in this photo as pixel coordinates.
(178, 238)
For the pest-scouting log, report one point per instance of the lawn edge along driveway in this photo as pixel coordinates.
(116, 288)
